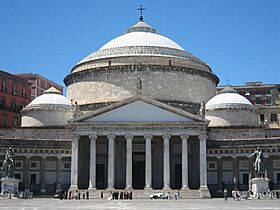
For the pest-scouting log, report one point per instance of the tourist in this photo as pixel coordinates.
(87, 195)
(225, 194)
(233, 194)
(121, 195)
(84, 195)
(101, 194)
(130, 195)
(70, 194)
(79, 195)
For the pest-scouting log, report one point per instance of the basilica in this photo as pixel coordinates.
(141, 114)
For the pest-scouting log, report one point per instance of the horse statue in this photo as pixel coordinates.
(259, 164)
(9, 163)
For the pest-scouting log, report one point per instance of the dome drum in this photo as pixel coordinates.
(162, 83)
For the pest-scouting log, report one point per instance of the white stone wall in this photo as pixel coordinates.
(161, 85)
(39, 118)
(231, 117)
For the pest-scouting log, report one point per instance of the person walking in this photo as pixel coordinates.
(225, 194)
(87, 195)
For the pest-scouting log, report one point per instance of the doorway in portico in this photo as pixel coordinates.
(138, 163)
(138, 174)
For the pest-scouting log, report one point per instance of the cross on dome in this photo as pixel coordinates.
(141, 9)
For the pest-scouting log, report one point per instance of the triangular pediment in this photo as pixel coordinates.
(139, 109)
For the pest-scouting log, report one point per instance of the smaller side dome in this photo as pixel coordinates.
(229, 108)
(49, 109)
(50, 96)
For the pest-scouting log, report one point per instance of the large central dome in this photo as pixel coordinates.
(168, 72)
(141, 40)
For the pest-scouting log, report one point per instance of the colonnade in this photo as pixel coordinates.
(148, 159)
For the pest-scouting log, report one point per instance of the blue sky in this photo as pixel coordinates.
(238, 39)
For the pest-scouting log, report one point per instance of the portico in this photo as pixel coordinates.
(133, 154)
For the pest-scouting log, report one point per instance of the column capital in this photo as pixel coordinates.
(111, 136)
(166, 136)
(148, 136)
(202, 137)
(92, 136)
(128, 136)
(184, 136)
(59, 157)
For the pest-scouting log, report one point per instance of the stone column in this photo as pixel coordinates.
(166, 162)
(27, 172)
(219, 174)
(74, 162)
(58, 174)
(111, 158)
(129, 161)
(203, 166)
(185, 163)
(43, 174)
(148, 169)
(235, 171)
(92, 166)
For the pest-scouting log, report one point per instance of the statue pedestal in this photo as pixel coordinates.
(9, 185)
(260, 185)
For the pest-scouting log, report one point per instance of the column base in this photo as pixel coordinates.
(166, 188)
(204, 192)
(185, 188)
(148, 188)
(73, 188)
(129, 188)
(92, 188)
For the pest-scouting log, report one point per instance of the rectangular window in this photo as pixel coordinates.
(212, 165)
(34, 164)
(14, 89)
(4, 86)
(261, 118)
(18, 165)
(18, 176)
(23, 92)
(3, 102)
(66, 165)
(273, 117)
(13, 105)
(258, 101)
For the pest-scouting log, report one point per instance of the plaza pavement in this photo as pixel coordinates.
(137, 204)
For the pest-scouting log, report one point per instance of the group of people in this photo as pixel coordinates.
(122, 195)
(77, 195)
(235, 194)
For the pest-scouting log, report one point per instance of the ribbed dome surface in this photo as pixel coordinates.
(141, 40)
